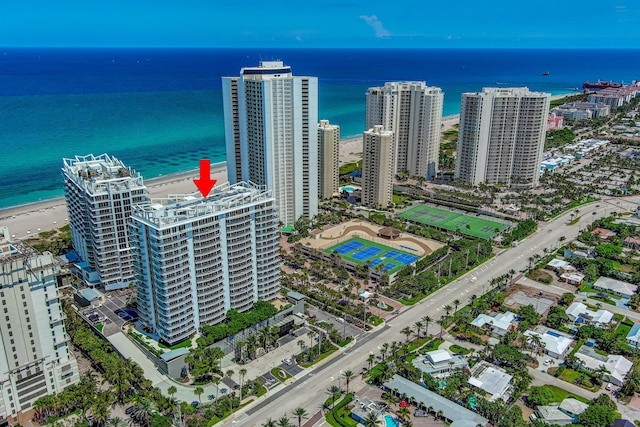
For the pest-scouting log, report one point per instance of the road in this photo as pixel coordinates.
(309, 390)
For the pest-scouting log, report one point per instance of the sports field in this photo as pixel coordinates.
(453, 221)
(360, 251)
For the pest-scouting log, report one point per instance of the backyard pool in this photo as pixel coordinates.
(390, 421)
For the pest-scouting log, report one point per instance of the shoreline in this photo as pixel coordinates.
(44, 215)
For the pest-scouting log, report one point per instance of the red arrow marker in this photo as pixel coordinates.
(205, 183)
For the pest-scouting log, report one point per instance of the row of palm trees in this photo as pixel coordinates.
(265, 338)
(299, 413)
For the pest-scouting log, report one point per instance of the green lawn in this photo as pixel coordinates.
(276, 373)
(453, 221)
(186, 343)
(559, 394)
(381, 258)
(570, 376)
(624, 268)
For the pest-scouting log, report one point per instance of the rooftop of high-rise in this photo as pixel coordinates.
(96, 173)
(508, 91)
(179, 208)
(392, 86)
(267, 68)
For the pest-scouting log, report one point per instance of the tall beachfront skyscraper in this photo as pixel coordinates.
(100, 191)
(329, 159)
(34, 354)
(198, 258)
(378, 167)
(271, 120)
(413, 112)
(501, 139)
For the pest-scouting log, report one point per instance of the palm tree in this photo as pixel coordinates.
(383, 350)
(333, 391)
(284, 421)
(348, 375)
(242, 373)
(370, 359)
(535, 342)
(172, 390)
(142, 414)
(230, 374)
(407, 331)
(116, 422)
(600, 372)
(456, 303)
(371, 420)
(301, 345)
(269, 423)
(418, 325)
(310, 334)
(426, 320)
(216, 381)
(198, 392)
(403, 413)
(300, 413)
(447, 309)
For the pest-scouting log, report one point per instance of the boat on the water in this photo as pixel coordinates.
(545, 73)
(600, 85)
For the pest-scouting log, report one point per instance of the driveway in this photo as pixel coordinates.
(346, 328)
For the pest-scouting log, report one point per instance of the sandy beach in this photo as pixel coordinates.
(42, 216)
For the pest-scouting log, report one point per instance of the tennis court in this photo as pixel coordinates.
(453, 221)
(361, 251)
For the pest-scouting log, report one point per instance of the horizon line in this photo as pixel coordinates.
(322, 48)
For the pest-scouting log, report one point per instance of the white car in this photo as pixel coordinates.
(286, 362)
(473, 279)
(609, 387)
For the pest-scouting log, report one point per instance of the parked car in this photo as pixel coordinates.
(286, 362)
(339, 320)
(609, 387)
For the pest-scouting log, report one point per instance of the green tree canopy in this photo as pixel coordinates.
(597, 416)
(539, 395)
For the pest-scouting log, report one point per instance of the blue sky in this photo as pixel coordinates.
(328, 23)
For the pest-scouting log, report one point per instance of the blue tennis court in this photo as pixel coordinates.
(366, 253)
(406, 258)
(392, 253)
(348, 247)
(388, 267)
(375, 262)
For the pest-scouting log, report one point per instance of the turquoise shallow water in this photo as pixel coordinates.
(160, 110)
(165, 132)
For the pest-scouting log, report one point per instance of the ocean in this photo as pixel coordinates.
(160, 110)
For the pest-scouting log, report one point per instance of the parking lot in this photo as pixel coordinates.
(347, 328)
(107, 313)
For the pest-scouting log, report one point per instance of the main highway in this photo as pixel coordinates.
(308, 391)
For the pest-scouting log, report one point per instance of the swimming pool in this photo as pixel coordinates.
(389, 421)
(347, 189)
(553, 334)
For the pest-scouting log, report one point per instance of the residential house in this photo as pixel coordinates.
(617, 365)
(567, 412)
(363, 406)
(555, 343)
(588, 253)
(604, 233)
(491, 379)
(440, 363)
(616, 287)
(498, 323)
(560, 266)
(578, 312)
(633, 337)
(574, 278)
(632, 242)
(449, 410)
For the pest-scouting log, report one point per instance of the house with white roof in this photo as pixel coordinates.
(492, 379)
(633, 337)
(616, 287)
(560, 266)
(499, 324)
(617, 365)
(440, 363)
(573, 278)
(578, 312)
(567, 412)
(555, 343)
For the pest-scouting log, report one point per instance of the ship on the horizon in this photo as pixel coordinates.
(600, 85)
(545, 73)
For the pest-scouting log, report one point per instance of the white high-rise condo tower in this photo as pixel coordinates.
(329, 157)
(271, 121)
(413, 112)
(501, 139)
(100, 191)
(195, 258)
(34, 352)
(378, 167)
